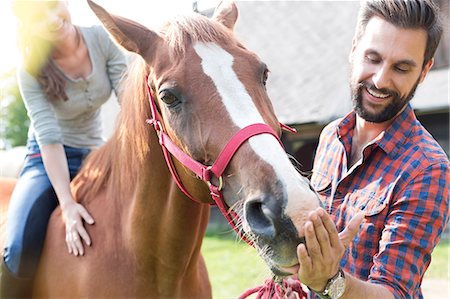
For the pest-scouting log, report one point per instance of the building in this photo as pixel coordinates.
(306, 45)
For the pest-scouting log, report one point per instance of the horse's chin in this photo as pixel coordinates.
(283, 271)
(281, 258)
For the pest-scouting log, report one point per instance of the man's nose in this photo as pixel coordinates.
(381, 77)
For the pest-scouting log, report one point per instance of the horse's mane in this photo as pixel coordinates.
(116, 166)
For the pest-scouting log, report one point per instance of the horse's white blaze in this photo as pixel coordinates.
(218, 65)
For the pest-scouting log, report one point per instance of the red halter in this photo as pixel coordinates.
(204, 172)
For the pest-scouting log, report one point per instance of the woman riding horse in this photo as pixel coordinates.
(68, 72)
(205, 95)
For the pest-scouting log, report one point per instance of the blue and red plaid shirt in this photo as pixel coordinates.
(402, 185)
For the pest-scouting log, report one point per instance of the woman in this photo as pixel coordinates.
(68, 72)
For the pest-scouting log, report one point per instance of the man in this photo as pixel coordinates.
(378, 166)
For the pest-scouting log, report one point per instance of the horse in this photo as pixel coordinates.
(6, 188)
(207, 87)
(11, 161)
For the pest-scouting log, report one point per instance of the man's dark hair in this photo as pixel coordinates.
(407, 14)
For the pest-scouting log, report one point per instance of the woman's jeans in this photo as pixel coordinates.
(30, 207)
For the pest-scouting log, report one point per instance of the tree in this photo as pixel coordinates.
(14, 121)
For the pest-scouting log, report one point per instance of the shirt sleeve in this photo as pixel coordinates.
(40, 112)
(416, 220)
(116, 60)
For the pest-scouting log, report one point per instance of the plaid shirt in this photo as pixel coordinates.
(402, 185)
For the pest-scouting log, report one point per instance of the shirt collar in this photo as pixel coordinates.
(390, 140)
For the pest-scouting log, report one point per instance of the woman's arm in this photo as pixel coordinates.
(55, 163)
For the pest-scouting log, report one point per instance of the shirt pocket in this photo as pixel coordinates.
(321, 183)
(370, 202)
(366, 243)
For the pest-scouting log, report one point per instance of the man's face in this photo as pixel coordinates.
(386, 69)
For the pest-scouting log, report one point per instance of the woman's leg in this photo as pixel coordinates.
(30, 208)
(31, 205)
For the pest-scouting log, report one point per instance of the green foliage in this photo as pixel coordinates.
(14, 121)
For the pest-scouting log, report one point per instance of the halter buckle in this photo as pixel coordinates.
(219, 188)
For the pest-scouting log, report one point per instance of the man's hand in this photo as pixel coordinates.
(325, 246)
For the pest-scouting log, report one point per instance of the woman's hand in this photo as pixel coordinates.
(73, 215)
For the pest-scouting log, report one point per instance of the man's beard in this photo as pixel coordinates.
(390, 111)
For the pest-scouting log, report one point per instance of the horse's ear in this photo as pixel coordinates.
(131, 35)
(226, 13)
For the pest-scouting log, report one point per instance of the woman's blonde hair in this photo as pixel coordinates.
(36, 51)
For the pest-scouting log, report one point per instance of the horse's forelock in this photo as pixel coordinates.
(189, 29)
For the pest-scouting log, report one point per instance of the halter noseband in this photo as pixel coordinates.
(205, 172)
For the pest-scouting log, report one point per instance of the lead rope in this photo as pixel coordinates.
(287, 289)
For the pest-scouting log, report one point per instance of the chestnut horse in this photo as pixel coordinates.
(148, 234)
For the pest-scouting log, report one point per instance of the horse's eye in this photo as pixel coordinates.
(168, 98)
(265, 76)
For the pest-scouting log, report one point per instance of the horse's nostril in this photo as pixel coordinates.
(260, 218)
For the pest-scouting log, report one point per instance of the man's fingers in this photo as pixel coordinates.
(312, 243)
(321, 234)
(347, 235)
(303, 258)
(330, 227)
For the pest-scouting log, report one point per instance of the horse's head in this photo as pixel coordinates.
(207, 87)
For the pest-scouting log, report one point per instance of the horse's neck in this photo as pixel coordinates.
(166, 228)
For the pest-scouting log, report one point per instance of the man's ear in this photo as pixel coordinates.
(353, 49)
(426, 69)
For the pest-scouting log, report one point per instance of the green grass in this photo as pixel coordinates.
(235, 267)
(440, 261)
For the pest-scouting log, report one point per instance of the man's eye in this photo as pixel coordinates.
(265, 76)
(372, 59)
(401, 69)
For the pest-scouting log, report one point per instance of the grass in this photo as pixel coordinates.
(234, 266)
(440, 262)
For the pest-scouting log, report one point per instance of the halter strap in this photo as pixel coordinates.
(236, 141)
(205, 172)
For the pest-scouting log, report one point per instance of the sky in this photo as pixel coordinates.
(147, 12)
